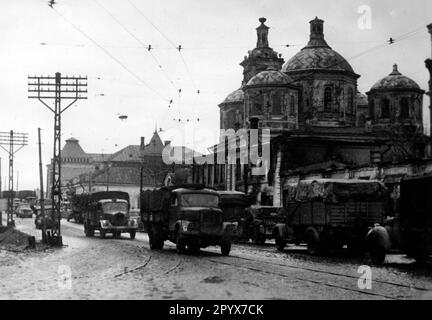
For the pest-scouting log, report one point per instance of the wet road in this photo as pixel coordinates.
(93, 268)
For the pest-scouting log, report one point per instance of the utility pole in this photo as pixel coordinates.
(13, 140)
(57, 88)
(41, 193)
(428, 63)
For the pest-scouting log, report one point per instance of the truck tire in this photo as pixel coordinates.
(102, 234)
(225, 247)
(89, 232)
(180, 245)
(132, 234)
(155, 242)
(194, 249)
(280, 243)
(313, 242)
(377, 254)
(258, 238)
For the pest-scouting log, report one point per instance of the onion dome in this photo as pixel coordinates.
(317, 54)
(236, 96)
(270, 77)
(395, 81)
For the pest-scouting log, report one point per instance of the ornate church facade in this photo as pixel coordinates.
(321, 126)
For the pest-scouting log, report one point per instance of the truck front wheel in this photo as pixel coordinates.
(225, 247)
(377, 254)
(88, 230)
(280, 243)
(102, 234)
(132, 234)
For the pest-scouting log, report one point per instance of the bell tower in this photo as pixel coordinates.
(262, 57)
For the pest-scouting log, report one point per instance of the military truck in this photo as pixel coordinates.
(330, 213)
(261, 220)
(108, 212)
(233, 205)
(410, 231)
(187, 215)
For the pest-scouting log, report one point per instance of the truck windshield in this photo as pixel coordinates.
(199, 200)
(114, 207)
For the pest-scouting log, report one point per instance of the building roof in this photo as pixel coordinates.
(270, 77)
(72, 149)
(395, 80)
(317, 58)
(317, 54)
(236, 96)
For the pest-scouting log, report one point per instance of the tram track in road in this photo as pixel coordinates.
(329, 272)
(304, 279)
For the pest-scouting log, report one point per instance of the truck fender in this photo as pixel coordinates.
(379, 235)
(282, 230)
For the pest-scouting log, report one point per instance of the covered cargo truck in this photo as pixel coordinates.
(330, 213)
(411, 230)
(187, 215)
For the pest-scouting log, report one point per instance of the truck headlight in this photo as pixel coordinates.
(188, 226)
(104, 223)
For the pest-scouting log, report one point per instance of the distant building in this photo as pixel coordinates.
(121, 170)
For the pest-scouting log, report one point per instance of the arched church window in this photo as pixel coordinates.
(404, 108)
(385, 108)
(292, 105)
(277, 103)
(350, 101)
(327, 99)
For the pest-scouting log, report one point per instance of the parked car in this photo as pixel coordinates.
(24, 211)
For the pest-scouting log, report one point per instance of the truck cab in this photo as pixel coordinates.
(108, 212)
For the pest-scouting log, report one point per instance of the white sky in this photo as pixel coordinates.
(215, 35)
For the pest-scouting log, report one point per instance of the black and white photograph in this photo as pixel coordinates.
(233, 152)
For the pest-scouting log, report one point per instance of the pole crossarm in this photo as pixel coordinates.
(15, 141)
(57, 88)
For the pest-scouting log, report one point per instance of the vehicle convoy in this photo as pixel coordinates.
(108, 212)
(233, 205)
(39, 220)
(410, 231)
(330, 213)
(261, 221)
(77, 203)
(187, 215)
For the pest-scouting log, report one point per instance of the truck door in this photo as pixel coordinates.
(173, 211)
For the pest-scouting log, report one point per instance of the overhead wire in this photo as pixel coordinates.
(177, 47)
(108, 53)
(149, 47)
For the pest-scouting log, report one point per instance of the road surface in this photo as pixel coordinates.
(94, 268)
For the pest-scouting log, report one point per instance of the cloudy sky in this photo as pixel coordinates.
(106, 39)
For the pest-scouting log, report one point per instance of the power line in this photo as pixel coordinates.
(149, 48)
(179, 47)
(111, 55)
